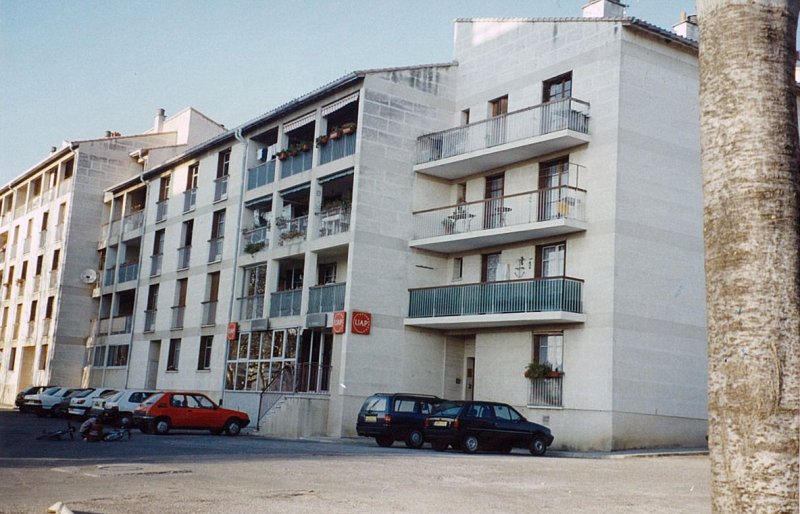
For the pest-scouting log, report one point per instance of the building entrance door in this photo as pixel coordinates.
(26, 371)
(314, 361)
(153, 355)
(469, 388)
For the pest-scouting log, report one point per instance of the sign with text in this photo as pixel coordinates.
(233, 330)
(361, 323)
(339, 322)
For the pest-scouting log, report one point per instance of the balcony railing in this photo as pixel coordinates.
(161, 210)
(37, 283)
(113, 233)
(334, 221)
(133, 221)
(116, 325)
(42, 240)
(215, 249)
(26, 245)
(189, 199)
(285, 303)
(545, 392)
(251, 307)
(209, 312)
(59, 235)
(128, 272)
(155, 264)
(177, 316)
(512, 210)
(150, 320)
(52, 279)
(337, 148)
(261, 175)
(531, 295)
(327, 298)
(255, 239)
(110, 273)
(293, 230)
(184, 255)
(297, 164)
(220, 188)
(64, 186)
(515, 126)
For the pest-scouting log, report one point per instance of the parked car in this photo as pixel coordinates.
(473, 426)
(119, 408)
(20, 399)
(79, 405)
(62, 407)
(390, 417)
(43, 402)
(186, 410)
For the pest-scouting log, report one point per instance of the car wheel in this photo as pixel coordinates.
(470, 444)
(439, 446)
(384, 442)
(233, 427)
(125, 420)
(415, 439)
(162, 426)
(537, 446)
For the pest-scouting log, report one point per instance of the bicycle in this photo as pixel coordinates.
(57, 435)
(117, 434)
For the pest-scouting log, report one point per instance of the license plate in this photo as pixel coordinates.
(370, 419)
(440, 423)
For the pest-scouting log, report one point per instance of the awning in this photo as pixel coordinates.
(338, 104)
(335, 176)
(299, 122)
(256, 202)
(295, 189)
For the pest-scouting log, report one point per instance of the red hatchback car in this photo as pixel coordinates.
(184, 410)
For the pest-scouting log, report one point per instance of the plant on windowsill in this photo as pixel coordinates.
(322, 140)
(335, 133)
(348, 128)
(536, 370)
(255, 247)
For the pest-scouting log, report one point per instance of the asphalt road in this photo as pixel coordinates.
(195, 472)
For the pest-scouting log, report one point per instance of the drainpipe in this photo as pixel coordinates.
(243, 141)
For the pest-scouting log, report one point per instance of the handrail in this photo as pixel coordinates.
(484, 200)
(565, 277)
(266, 389)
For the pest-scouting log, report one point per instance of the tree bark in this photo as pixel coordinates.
(749, 151)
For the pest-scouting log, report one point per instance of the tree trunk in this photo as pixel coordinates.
(749, 149)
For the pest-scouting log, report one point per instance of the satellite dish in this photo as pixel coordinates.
(88, 276)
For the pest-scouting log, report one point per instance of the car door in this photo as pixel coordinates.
(178, 410)
(479, 420)
(203, 413)
(509, 427)
(403, 416)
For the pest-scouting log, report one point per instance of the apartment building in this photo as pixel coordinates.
(48, 219)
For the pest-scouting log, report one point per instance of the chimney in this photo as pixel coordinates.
(603, 9)
(52, 150)
(158, 125)
(108, 133)
(687, 27)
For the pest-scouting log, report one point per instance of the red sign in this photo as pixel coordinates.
(361, 323)
(339, 322)
(233, 330)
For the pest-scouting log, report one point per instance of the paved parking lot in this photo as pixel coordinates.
(194, 472)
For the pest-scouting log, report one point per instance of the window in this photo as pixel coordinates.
(549, 349)
(495, 210)
(187, 233)
(174, 354)
(48, 309)
(550, 260)
(180, 291)
(34, 308)
(158, 242)
(12, 359)
(39, 265)
(260, 358)
(506, 413)
(465, 117)
(557, 88)
(163, 188)
(45, 218)
(68, 168)
(191, 177)
(152, 297)
(498, 106)
(23, 273)
(401, 405)
(491, 269)
(99, 356)
(224, 163)
(117, 355)
(458, 268)
(461, 192)
(327, 273)
(212, 286)
(204, 356)
(56, 257)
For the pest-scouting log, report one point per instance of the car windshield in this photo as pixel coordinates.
(448, 409)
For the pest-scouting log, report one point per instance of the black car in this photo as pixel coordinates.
(390, 417)
(20, 399)
(474, 425)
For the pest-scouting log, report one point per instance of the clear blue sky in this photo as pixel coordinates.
(72, 70)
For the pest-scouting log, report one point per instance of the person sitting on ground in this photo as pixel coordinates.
(92, 430)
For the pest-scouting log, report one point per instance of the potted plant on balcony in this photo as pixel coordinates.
(294, 150)
(335, 133)
(283, 155)
(305, 146)
(536, 370)
(322, 140)
(290, 234)
(348, 128)
(280, 221)
(254, 247)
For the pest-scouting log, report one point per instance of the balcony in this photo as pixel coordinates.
(184, 256)
(545, 392)
(116, 325)
(220, 188)
(285, 303)
(327, 298)
(503, 140)
(178, 312)
(209, 313)
(251, 307)
(132, 223)
(149, 320)
(26, 246)
(215, 249)
(155, 264)
(261, 175)
(189, 199)
(334, 221)
(298, 163)
(161, 210)
(337, 148)
(498, 221)
(255, 240)
(42, 240)
(108, 278)
(497, 304)
(293, 230)
(128, 272)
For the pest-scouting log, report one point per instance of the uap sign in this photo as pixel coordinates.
(361, 323)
